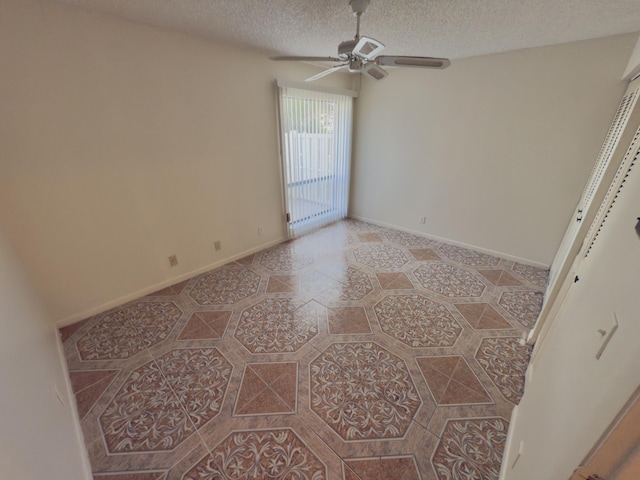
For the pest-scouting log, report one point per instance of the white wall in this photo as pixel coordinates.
(633, 67)
(122, 144)
(38, 436)
(495, 150)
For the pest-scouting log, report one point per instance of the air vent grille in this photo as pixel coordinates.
(623, 172)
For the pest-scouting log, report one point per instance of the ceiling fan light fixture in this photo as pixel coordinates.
(368, 48)
(372, 70)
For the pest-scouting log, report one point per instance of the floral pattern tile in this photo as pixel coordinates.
(129, 330)
(523, 306)
(417, 321)
(505, 360)
(363, 391)
(469, 257)
(226, 285)
(285, 258)
(323, 357)
(277, 325)
(449, 280)
(380, 256)
(471, 449)
(162, 403)
(406, 239)
(537, 276)
(270, 454)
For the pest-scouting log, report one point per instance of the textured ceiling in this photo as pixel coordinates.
(447, 28)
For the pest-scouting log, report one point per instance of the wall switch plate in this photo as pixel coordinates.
(217, 245)
(173, 260)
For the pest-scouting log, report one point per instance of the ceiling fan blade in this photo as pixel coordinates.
(402, 61)
(326, 72)
(294, 58)
(372, 70)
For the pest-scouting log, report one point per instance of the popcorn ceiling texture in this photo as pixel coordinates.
(448, 28)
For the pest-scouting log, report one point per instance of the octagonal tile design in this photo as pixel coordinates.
(505, 361)
(362, 391)
(380, 256)
(285, 258)
(469, 257)
(380, 468)
(471, 449)
(535, 275)
(266, 454)
(523, 306)
(128, 330)
(350, 285)
(163, 402)
(406, 239)
(226, 285)
(417, 321)
(277, 325)
(449, 280)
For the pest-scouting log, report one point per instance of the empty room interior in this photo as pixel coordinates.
(420, 263)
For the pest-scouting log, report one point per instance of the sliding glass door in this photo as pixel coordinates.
(315, 129)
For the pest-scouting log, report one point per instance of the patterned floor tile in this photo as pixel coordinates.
(406, 239)
(348, 320)
(469, 257)
(205, 325)
(449, 280)
(505, 360)
(537, 276)
(277, 454)
(451, 380)
(226, 285)
(363, 391)
(369, 237)
(268, 388)
(471, 449)
(417, 321)
(424, 254)
(162, 403)
(307, 361)
(126, 331)
(523, 306)
(482, 316)
(277, 325)
(88, 386)
(385, 468)
(380, 256)
(394, 281)
(283, 283)
(500, 278)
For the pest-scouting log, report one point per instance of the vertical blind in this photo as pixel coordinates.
(315, 130)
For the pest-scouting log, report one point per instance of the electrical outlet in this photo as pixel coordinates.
(217, 245)
(173, 260)
(259, 231)
(423, 220)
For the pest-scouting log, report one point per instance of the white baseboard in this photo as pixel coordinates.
(76, 317)
(84, 454)
(506, 256)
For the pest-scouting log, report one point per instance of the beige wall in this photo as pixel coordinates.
(38, 436)
(121, 144)
(633, 67)
(495, 150)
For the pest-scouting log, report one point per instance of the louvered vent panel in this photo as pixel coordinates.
(609, 146)
(623, 172)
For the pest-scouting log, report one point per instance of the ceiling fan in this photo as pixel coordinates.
(360, 55)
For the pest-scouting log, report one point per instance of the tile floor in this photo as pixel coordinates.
(356, 352)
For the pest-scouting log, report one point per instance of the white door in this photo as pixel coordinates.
(611, 154)
(586, 367)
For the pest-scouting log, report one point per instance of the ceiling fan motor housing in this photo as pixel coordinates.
(345, 49)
